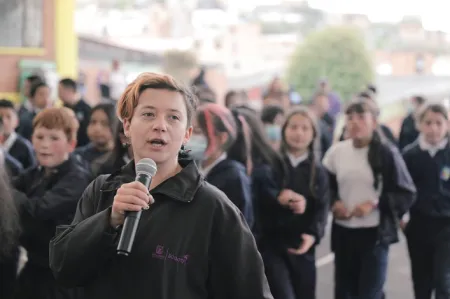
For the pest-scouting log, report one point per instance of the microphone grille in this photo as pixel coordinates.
(147, 166)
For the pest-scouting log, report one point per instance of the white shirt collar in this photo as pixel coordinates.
(295, 161)
(10, 141)
(432, 149)
(208, 168)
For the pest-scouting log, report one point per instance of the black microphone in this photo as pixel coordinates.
(145, 170)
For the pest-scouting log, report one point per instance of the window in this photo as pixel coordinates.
(21, 23)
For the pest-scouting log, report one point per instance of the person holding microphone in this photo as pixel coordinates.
(191, 242)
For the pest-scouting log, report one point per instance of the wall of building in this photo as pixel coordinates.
(11, 57)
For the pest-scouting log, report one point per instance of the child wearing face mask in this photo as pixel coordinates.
(294, 221)
(371, 190)
(428, 229)
(221, 145)
(272, 117)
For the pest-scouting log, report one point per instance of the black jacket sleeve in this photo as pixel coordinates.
(236, 267)
(322, 205)
(83, 247)
(399, 193)
(61, 199)
(239, 191)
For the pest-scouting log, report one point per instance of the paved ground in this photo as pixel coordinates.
(399, 282)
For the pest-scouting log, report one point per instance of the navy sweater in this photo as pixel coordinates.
(431, 175)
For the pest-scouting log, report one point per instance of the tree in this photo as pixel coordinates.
(337, 53)
(179, 64)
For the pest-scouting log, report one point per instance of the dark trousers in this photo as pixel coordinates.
(429, 252)
(290, 276)
(360, 263)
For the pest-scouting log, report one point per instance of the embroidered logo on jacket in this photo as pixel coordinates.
(164, 254)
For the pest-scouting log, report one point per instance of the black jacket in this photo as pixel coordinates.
(278, 226)
(83, 113)
(432, 182)
(192, 243)
(44, 203)
(397, 195)
(408, 131)
(230, 177)
(22, 150)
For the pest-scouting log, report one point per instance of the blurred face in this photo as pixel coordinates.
(360, 126)
(10, 120)
(51, 146)
(277, 85)
(434, 127)
(158, 127)
(65, 94)
(42, 97)
(99, 130)
(299, 133)
(323, 104)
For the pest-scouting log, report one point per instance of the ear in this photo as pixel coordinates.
(71, 145)
(126, 128)
(187, 135)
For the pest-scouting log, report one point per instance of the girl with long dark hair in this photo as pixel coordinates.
(371, 190)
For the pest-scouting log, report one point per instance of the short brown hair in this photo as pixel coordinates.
(59, 119)
(130, 98)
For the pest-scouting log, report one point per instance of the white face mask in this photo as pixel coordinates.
(196, 147)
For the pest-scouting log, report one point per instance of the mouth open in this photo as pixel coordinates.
(157, 143)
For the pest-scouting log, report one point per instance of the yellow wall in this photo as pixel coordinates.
(12, 96)
(66, 40)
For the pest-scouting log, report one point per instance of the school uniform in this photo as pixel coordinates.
(83, 113)
(21, 149)
(428, 230)
(291, 276)
(408, 131)
(361, 245)
(89, 153)
(26, 115)
(231, 178)
(45, 201)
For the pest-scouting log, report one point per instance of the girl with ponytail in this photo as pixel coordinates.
(298, 212)
(221, 143)
(371, 189)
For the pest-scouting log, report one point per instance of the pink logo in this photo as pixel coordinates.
(159, 249)
(162, 254)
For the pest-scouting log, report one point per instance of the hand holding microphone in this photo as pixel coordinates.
(129, 202)
(131, 197)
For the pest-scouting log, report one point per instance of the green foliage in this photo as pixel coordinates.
(337, 53)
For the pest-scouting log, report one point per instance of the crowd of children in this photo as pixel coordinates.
(279, 167)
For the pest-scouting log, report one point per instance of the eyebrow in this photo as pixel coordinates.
(154, 108)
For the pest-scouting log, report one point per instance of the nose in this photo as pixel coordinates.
(160, 124)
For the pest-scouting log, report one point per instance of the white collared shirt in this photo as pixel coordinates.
(10, 141)
(295, 161)
(432, 149)
(208, 168)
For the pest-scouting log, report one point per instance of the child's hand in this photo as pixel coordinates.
(308, 242)
(364, 209)
(297, 204)
(285, 196)
(340, 212)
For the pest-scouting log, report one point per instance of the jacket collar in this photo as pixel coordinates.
(181, 187)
